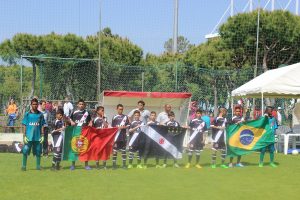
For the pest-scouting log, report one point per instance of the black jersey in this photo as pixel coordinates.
(198, 124)
(172, 123)
(218, 121)
(134, 124)
(153, 123)
(57, 125)
(100, 122)
(81, 117)
(120, 120)
(236, 119)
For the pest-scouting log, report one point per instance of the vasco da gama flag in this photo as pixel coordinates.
(162, 140)
(88, 143)
(249, 136)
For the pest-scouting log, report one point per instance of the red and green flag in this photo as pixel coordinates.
(250, 136)
(88, 143)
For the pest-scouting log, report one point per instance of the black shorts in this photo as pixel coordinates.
(120, 145)
(196, 143)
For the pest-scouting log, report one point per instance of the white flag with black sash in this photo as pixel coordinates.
(166, 140)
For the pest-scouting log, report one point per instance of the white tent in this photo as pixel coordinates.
(277, 83)
(154, 101)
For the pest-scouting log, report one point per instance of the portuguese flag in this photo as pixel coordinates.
(88, 143)
(249, 136)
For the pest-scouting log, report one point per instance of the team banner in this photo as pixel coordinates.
(162, 140)
(249, 136)
(88, 143)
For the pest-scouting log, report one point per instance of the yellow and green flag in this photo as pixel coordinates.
(250, 136)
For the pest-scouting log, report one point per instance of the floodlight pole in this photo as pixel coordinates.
(273, 5)
(231, 8)
(250, 5)
(297, 7)
(257, 39)
(175, 33)
(99, 55)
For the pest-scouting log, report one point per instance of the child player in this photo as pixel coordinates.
(218, 136)
(236, 119)
(171, 123)
(196, 141)
(100, 122)
(33, 134)
(134, 143)
(271, 147)
(80, 117)
(57, 136)
(152, 121)
(122, 122)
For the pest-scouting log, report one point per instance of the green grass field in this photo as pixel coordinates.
(249, 182)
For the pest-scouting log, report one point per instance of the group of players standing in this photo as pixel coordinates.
(34, 123)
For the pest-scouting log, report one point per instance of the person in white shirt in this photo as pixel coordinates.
(68, 107)
(279, 117)
(163, 117)
(144, 113)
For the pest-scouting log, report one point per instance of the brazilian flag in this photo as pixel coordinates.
(249, 136)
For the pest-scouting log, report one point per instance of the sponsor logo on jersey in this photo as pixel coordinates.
(34, 123)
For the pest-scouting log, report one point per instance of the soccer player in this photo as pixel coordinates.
(134, 144)
(46, 115)
(197, 139)
(152, 121)
(122, 122)
(144, 113)
(100, 122)
(171, 123)
(57, 136)
(271, 147)
(236, 119)
(80, 117)
(218, 135)
(33, 134)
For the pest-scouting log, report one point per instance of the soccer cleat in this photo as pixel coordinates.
(273, 165)
(239, 165)
(260, 164)
(139, 166)
(23, 168)
(72, 168)
(188, 165)
(176, 165)
(230, 165)
(198, 166)
(164, 166)
(213, 166)
(87, 168)
(158, 166)
(224, 166)
(130, 166)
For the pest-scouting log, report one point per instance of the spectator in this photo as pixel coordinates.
(279, 116)
(68, 107)
(12, 111)
(193, 108)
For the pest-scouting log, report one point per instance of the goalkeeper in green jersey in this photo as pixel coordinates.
(33, 123)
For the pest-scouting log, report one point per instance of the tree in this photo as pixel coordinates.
(183, 44)
(279, 36)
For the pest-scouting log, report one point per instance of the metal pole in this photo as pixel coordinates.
(41, 82)
(297, 7)
(273, 5)
(175, 33)
(143, 79)
(176, 77)
(250, 5)
(21, 82)
(99, 55)
(231, 8)
(257, 40)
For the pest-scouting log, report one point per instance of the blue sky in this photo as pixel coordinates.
(147, 23)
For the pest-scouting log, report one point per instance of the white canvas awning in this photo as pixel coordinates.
(283, 82)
